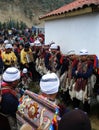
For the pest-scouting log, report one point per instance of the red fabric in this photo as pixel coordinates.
(6, 89)
(41, 35)
(61, 59)
(75, 62)
(32, 39)
(95, 61)
(27, 74)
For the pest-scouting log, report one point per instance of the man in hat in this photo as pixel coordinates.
(82, 87)
(9, 102)
(51, 58)
(49, 85)
(26, 58)
(66, 79)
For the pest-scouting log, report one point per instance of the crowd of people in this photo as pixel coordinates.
(69, 78)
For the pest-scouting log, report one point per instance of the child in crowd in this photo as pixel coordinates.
(26, 78)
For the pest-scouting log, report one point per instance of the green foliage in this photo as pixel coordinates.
(0, 25)
(45, 5)
(34, 87)
(30, 9)
(68, 1)
(12, 24)
(54, 4)
(22, 25)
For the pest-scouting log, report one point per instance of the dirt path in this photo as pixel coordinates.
(94, 122)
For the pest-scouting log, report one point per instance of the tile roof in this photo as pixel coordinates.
(78, 4)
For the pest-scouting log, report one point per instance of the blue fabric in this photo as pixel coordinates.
(1, 65)
(83, 75)
(46, 61)
(9, 104)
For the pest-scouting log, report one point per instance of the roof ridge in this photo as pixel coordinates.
(71, 6)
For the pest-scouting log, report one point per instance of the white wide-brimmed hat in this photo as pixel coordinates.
(6, 41)
(83, 52)
(11, 74)
(49, 83)
(8, 46)
(54, 46)
(37, 43)
(71, 52)
(24, 70)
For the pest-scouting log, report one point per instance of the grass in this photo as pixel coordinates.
(34, 87)
(94, 116)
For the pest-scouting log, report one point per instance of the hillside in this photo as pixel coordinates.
(19, 11)
(27, 11)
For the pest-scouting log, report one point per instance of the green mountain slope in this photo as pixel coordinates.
(28, 11)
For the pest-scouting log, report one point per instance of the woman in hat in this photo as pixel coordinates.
(9, 57)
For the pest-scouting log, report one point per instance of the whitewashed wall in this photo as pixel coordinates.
(75, 33)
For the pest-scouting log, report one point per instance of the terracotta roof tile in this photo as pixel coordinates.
(72, 6)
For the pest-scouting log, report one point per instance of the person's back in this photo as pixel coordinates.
(9, 102)
(49, 86)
